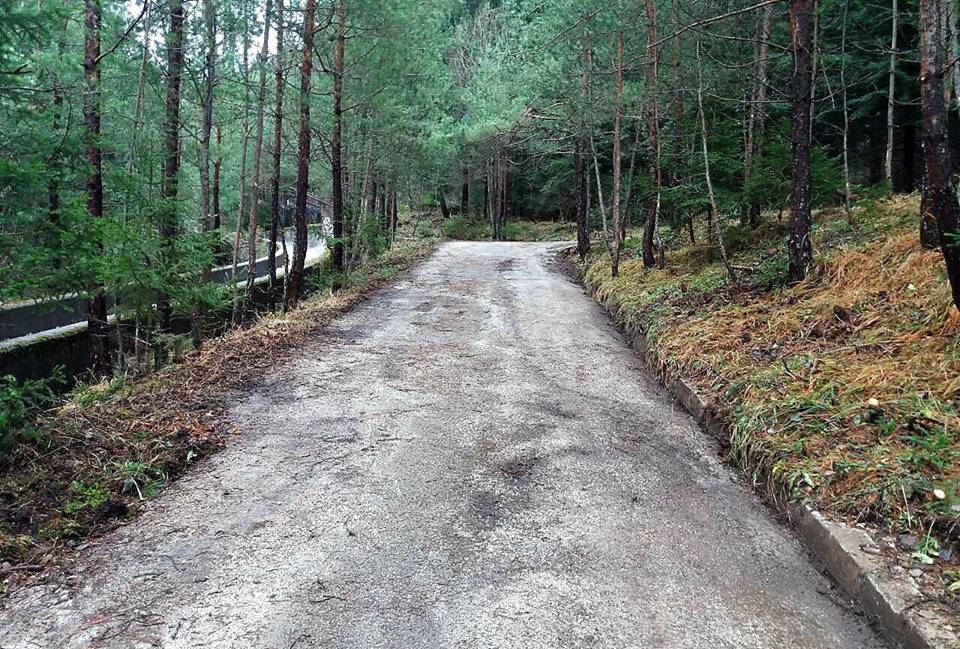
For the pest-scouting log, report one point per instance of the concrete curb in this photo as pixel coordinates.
(888, 597)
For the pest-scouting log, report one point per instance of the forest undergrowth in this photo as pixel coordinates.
(93, 460)
(842, 390)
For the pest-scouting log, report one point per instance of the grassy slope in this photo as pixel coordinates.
(795, 370)
(96, 458)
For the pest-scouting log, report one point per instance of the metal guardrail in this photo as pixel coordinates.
(34, 317)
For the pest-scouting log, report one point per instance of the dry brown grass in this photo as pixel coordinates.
(841, 390)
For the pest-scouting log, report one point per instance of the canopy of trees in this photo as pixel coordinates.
(146, 141)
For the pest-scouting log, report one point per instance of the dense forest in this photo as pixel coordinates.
(762, 193)
(146, 142)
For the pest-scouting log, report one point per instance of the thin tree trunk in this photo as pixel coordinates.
(303, 160)
(603, 210)
(617, 110)
(504, 164)
(490, 190)
(580, 177)
(800, 247)
(394, 214)
(242, 204)
(815, 62)
(631, 172)
(257, 153)
(581, 172)
(382, 208)
(206, 124)
(891, 96)
(939, 188)
(465, 191)
(138, 112)
(56, 166)
(846, 115)
(97, 327)
(217, 168)
(444, 210)
(653, 211)
(714, 212)
(277, 147)
(171, 169)
(336, 139)
(758, 113)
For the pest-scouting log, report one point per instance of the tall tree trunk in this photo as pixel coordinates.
(245, 127)
(617, 110)
(444, 210)
(603, 209)
(217, 169)
(303, 160)
(504, 200)
(489, 189)
(581, 172)
(171, 167)
(653, 211)
(800, 247)
(891, 96)
(252, 224)
(715, 226)
(206, 123)
(846, 115)
(138, 112)
(464, 191)
(97, 327)
(382, 217)
(394, 214)
(758, 110)
(580, 178)
(939, 187)
(336, 151)
(277, 146)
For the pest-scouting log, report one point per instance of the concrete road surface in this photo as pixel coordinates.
(471, 459)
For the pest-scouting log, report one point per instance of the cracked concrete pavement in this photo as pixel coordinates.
(473, 458)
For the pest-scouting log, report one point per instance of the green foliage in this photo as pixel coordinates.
(20, 403)
(86, 496)
(466, 228)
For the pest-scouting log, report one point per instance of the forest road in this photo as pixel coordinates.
(472, 458)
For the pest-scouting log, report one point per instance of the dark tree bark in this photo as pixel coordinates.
(97, 327)
(277, 146)
(486, 194)
(465, 191)
(800, 247)
(336, 146)
(580, 171)
(653, 208)
(939, 190)
(206, 123)
(171, 166)
(444, 210)
(580, 178)
(303, 159)
(502, 220)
